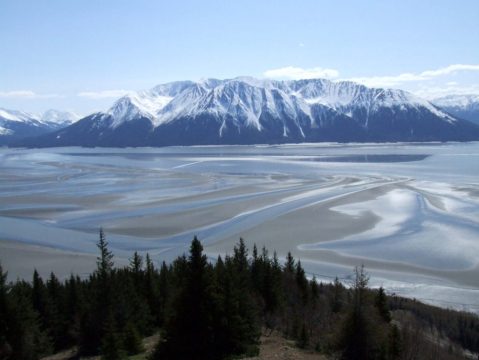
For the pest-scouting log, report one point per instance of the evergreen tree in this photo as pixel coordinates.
(105, 260)
(73, 307)
(136, 263)
(301, 281)
(164, 293)
(39, 295)
(5, 348)
(395, 343)
(356, 339)
(303, 340)
(25, 334)
(55, 322)
(188, 332)
(336, 301)
(132, 342)
(111, 345)
(93, 322)
(151, 292)
(289, 265)
(314, 289)
(381, 303)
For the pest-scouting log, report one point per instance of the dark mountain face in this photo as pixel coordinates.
(250, 111)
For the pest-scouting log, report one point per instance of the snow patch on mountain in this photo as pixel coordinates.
(59, 117)
(459, 101)
(5, 131)
(244, 101)
(19, 116)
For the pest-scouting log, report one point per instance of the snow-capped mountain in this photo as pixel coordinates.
(248, 111)
(16, 125)
(61, 118)
(462, 106)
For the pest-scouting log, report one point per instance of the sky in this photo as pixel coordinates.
(82, 55)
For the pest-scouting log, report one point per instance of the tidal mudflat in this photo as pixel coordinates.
(408, 212)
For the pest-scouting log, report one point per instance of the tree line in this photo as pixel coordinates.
(219, 310)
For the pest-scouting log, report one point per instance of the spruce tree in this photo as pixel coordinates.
(337, 298)
(301, 281)
(132, 341)
(381, 303)
(188, 332)
(111, 344)
(356, 338)
(5, 348)
(93, 322)
(27, 338)
(136, 263)
(164, 293)
(395, 343)
(289, 265)
(105, 259)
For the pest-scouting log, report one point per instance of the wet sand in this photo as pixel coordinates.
(406, 226)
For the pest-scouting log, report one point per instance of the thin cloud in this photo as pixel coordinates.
(449, 70)
(296, 73)
(397, 80)
(435, 92)
(104, 94)
(26, 94)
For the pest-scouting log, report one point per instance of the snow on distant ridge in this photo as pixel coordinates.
(59, 117)
(15, 115)
(461, 106)
(462, 101)
(18, 124)
(246, 98)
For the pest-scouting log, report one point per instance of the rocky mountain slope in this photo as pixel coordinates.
(251, 111)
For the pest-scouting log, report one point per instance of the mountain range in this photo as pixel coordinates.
(462, 106)
(15, 125)
(250, 111)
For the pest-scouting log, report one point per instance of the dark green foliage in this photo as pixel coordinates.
(25, 335)
(381, 303)
(132, 342)
(216, 311)
(111, 344)
(5, 348)
(303, 340)
(395, 343)
(212, 315)
(105, 260)
(289, 266)
(360, 337)
(337, 299)
(189, 332)
(461, 327)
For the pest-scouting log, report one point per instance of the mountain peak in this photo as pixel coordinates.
(246, 99)
(59, 117)
(246, 110)
(18, 124)
(462, 106)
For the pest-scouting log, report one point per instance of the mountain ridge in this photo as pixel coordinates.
(246, 110)
(15, 124)
(462, 106)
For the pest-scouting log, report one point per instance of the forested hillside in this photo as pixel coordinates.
(219, 310)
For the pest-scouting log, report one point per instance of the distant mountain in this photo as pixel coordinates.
(251, 111)
(462, 106)
(15, 125)
(61, 118)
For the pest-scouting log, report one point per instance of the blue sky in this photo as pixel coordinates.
(81, 55)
